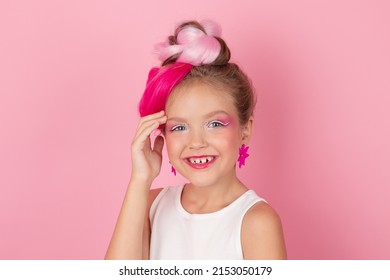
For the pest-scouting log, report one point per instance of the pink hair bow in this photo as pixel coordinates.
(194, 46)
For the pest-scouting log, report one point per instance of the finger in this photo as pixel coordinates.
(160, 121)
(151, 117)
(139, 141)
(158, 145)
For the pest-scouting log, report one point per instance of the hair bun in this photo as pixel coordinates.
(195, 43)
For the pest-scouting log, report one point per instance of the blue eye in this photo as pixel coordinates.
(179, 127)
(216, 124)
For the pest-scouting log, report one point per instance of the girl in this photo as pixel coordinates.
(202, 106)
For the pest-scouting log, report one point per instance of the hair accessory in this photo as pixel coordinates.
(194, 46)
(243, 154)
(173, 170)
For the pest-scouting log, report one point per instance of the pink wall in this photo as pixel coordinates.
(71, 74)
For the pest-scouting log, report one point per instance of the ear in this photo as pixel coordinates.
(246, 131)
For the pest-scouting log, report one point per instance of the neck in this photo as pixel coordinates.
(204, 199)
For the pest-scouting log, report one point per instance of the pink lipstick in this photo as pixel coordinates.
(200, 162)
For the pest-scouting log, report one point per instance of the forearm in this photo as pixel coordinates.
(126, 242)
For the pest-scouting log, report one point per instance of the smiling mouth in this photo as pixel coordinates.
(200, 162)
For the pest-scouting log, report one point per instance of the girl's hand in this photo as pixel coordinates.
(146, 162)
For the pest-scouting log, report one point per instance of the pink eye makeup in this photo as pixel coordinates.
(217, 123)
(220, 120)
(211, 121)
(176, 127)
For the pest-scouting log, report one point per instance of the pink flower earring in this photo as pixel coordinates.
(173, 170)
(243, 154)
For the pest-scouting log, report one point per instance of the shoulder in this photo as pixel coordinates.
(259, 215)
(153, 193)
(262, 233)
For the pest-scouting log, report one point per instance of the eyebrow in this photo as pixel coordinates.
(211, 114)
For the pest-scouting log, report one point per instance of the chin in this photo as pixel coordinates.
(201, 181)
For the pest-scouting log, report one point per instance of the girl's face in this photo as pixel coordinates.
(203, 133)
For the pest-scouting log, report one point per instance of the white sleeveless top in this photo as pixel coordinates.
(177, 234)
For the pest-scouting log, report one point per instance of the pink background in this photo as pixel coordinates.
(72, 72)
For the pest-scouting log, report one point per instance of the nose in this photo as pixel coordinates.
(197, 139)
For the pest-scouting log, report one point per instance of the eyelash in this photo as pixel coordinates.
(220, 124)
(175, 128)
(212, 124)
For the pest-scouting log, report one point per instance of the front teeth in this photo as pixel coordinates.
(201, 160)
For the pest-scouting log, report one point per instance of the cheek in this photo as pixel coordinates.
(168, 144)
(228, 138)
(173, 145)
